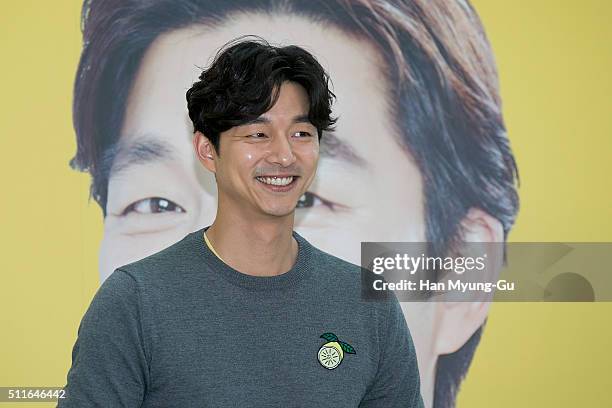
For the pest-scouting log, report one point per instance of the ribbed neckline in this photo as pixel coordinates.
(285, 280)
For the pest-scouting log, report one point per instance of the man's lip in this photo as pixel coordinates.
(281, 176)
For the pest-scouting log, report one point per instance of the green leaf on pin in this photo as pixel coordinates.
(329, 336)
(347, 348)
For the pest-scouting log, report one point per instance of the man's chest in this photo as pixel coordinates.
(241, 356)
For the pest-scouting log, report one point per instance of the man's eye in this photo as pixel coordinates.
(257, 135)
(303, 134)
(153, 205)
(309, 199)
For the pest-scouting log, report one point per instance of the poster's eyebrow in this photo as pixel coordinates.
(333, 147)
(143, 150)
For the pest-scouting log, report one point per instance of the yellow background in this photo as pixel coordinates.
(554, 59)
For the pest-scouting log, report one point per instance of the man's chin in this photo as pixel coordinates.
(279, 211)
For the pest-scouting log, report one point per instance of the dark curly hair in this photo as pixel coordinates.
(244, 80)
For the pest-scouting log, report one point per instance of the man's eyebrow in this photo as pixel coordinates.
(331, 146)
(144, 149)
(303, 118)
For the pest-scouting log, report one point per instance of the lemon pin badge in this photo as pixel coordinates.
(330, 354)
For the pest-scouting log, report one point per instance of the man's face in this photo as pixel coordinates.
(281, 142)
(367, 185)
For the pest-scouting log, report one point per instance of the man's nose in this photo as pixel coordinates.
(281, 151)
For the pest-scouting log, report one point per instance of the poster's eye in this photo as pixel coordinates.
(308, 200)
(152, 205)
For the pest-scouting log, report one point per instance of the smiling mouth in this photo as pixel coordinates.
(278, 181)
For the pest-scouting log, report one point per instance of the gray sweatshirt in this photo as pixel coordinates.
(181, 328)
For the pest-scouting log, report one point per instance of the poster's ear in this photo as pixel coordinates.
(205, 151)
(457, 321)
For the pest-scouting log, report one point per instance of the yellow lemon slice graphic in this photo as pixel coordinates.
(330, 355)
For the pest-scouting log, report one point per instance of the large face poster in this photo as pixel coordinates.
(423, 150)
(419, 149)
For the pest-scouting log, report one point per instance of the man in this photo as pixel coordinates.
(234, 314)
(420, 155)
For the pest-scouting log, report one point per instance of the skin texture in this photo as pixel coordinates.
(152, 205)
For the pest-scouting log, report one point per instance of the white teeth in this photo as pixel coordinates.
(276, 181)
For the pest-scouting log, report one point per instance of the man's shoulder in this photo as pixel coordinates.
(333, 271)
(337, 272)
(332, 263)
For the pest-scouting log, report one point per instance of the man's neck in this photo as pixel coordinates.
(261, 247)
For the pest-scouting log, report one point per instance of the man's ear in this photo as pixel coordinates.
(457, 321)
(205, 151)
